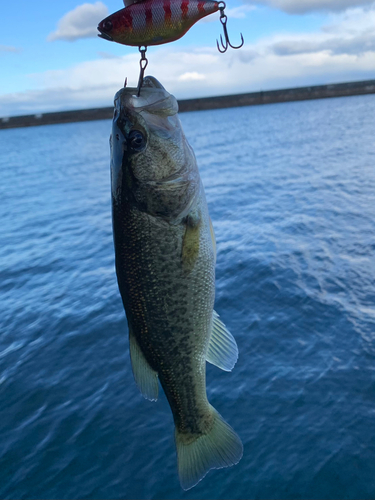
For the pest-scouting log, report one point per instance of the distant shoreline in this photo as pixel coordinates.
(204, 103)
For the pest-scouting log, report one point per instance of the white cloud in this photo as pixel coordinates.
(352, 21)
(344, 50)
(191, 76)
(8, 48)
(232, 13)
(351, 33)
(355, 45)
(303, 6)
(80, 22)
(107, 55)
(239, 12)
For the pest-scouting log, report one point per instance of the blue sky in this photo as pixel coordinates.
(51, 58)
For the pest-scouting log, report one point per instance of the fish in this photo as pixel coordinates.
(154, 22)
(165, 254)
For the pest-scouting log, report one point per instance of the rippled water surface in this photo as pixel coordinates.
(291, 192)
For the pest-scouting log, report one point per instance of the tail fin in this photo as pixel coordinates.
(221, 447)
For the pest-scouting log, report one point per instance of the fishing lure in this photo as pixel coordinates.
(154, 22)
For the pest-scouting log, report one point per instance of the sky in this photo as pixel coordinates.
(52, 59)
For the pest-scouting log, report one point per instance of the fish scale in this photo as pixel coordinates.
(154, 22)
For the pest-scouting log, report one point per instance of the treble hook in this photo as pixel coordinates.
(223, 20)
(143, 65)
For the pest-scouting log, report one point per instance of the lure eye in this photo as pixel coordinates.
(107, 25)
(136, 141)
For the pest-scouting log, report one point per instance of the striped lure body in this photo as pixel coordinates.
(154, 22)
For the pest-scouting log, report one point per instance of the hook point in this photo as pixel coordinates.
(218, 47)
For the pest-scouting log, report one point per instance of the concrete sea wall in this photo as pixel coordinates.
(227, 101)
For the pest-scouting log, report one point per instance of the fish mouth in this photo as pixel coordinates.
(104, 35)
(153, 100)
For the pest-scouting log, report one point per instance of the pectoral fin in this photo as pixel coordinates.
(222, 349)
(145, 377)
(190, 244)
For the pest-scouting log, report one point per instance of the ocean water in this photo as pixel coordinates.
(291, 192)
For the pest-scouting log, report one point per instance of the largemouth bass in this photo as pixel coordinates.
(165, 264)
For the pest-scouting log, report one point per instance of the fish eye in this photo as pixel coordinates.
(107, 25)
(136, 141)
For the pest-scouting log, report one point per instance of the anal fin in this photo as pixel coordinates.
(222, 349)
(145, 377)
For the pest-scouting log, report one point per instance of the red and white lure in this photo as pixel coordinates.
(154, 22)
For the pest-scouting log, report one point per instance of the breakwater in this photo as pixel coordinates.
(200, 104)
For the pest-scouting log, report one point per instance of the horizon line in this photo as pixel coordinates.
(202, 103)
